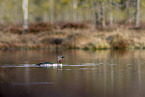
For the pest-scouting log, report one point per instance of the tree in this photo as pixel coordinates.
(110, 15)
(51, 10)
(100, 14)
(74, 10)
(103, 15)
(25, 14)
(137, 13)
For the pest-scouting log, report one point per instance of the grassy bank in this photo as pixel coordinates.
(89, 39)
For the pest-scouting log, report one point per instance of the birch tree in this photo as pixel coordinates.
(100, 13)
(51, 10)
(137, 13)
(103, 15)
(97, 13)
(74, 10)
(110, 15)
(25, 14)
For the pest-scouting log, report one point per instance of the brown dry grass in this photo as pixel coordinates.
(119, 41)
(76, 40)
(70, 38)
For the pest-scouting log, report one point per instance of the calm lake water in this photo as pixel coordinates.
(103, 73)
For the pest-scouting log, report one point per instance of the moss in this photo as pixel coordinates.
(89, 46)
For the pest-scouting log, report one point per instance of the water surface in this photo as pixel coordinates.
(102, 73)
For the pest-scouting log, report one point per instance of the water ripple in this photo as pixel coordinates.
(32, 83)
(85, 64)
(21, 65)
(71, 65)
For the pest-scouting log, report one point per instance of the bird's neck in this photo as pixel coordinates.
(59, 62)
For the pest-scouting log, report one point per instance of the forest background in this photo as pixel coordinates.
(85, 24)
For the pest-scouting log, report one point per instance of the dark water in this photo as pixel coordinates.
(102, 73)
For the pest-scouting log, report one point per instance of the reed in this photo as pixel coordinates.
(78, 39)
(119, 41)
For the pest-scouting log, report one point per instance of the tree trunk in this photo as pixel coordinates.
(137, 13)
(51, 11)
(75, 10)
(97, 20)
(110, 17)
(25, 14)
(97, 13)
(102, 15)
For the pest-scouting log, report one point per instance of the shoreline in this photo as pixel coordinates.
(75, 39)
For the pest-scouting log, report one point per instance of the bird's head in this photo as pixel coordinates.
(59, 58)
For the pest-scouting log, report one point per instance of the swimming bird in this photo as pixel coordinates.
(48, 64)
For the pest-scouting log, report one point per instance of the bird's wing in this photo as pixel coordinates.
(48, 63)
(44, 63)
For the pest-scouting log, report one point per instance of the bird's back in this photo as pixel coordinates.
(45, 63)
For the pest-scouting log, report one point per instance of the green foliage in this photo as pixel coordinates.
(101, 1)
(118, 1)
(142, 3)
(62, 10)
(64, 2)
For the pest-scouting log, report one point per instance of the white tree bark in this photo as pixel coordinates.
(111, 16)
(51, 10)
(137, 13)
(74, 10)
(25, 14)
(103, 15)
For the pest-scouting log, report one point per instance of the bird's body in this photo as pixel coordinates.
(48, 64)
